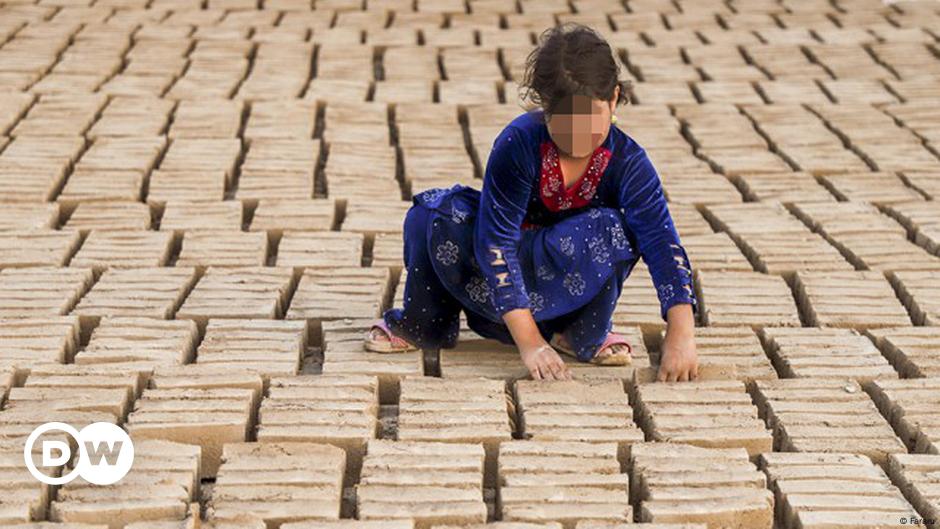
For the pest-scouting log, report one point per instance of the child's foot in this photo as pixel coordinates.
(381, 340)
(613, 351)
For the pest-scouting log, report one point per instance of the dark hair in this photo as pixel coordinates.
(571, 59)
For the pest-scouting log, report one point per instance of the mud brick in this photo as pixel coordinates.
(791, 91)
(266, 347)
(353, 524)
(32, 180)
(562, 482)
(789, 187)
(430, 483)
(405, 90)
(457, 411)
(320, 249)
(136, 498)
(344, 354)
(388, 251)
(589, 411)
(754, 218)
(206, 118)
(279, 482)
(188, 216)
(141, 292)
(278, 168)
(468, 62)
(713, 414)
(832, 489)
(103, 250)
(25, 498)
(506, 525)
(37, 247)
(787, 253)
(356, 132)
(683, 484)
(186, 185)
(279, 216)
(14, 106)
(745, 298)
(916, 476)
(911, 406)
(87, 377)
(135, 154)
(920, 219)
(352, 292)
(209, 418)
(30, 405)
(468, 91)
(32, 292)
(862, 188)
(109, 216)
(29, 341)
(916, 290)
(923, 182)
(337, 410)
(820, 415)
(704, 188)
(715, 251)
(205, 248)
(139, 341)
(725, 353)
(868, 238)
(728, 91)
(258, 292)
(689, 222)
(849, 299)
(608, 525)
(911, 350)
(17, 217)
(86, 185)
(411, 62)
(336, 90)
(280, 70)
(60, 115)
(826, 353)
(203, 154)
(131, 116)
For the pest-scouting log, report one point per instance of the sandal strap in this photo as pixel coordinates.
(615, 339)
(394, 340)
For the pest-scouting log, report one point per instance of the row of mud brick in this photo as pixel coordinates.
(225, 409)
(859, 300)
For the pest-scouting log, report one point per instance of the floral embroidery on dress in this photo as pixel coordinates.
(574, 283)
(594, 213)
(599, 251)
(536, 302)
(552, 183)
(447, 253)
(430, 195)
(479, 290)
(617, 238)
(545, 273)
(567, 246)
(665, 292)
(458, 215)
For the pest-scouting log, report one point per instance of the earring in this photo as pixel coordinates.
(613, 118)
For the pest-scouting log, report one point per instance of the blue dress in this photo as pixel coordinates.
(529, 241)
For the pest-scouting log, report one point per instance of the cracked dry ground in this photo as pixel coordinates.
(196, 230)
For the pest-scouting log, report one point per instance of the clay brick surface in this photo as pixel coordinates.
(911, 408)
(826, 353)
(911, 350)
(818, 415)
(745, 298)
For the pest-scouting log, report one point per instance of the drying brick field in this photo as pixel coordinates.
(201, 205)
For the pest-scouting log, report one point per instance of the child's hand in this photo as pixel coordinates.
(679, 359)
(544, 363)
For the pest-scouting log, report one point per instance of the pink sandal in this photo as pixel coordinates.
(615, 359)
(393, 344)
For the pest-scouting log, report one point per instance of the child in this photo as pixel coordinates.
(538, 258)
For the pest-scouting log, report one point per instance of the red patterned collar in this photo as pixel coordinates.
(552, 182)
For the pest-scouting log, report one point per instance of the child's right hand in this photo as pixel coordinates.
(544, 363)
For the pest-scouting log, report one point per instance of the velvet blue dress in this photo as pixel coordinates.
(529, 241)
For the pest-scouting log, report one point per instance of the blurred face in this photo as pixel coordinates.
(580, 124)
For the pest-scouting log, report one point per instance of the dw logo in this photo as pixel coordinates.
(106, 453)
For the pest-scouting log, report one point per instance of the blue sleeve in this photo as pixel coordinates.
(643, 205)
(507, 183)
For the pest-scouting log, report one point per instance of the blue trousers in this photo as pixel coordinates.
(430, 317)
